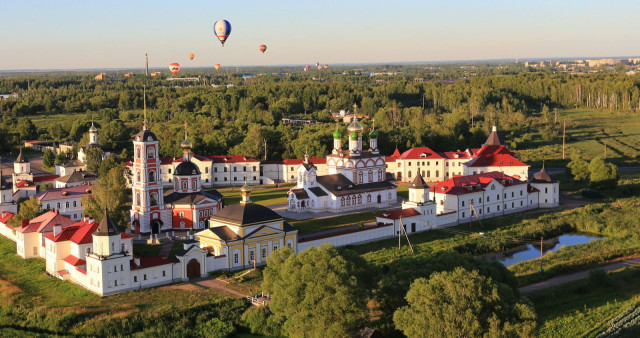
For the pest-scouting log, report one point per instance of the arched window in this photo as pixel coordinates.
(153, 198)
(181, 214)
(138, 199)
(380, 175)
(348, 200)
(370, 176)
(423, 173)
(176, 185)
(206, 170)
(368, 198)
(409, 174)
(151, 152)
(437, 173)
(138, 176)
(137, 152)
(152, 176)
(342, 202)
(359, 199)
(428, 173)
(360, 177)
(184, 185)
(194, 184)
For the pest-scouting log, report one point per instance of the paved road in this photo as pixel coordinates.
(555, 281)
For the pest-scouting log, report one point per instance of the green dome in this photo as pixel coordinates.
(373, 134)
(354, 136)
(336, 134)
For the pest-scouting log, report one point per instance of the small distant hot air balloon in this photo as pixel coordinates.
(174, 68)
(191, 56)
(306, 68)
(317, 64)
(222, 28)
(263, 48)
(326, 66)
(216, 66)
(319, 67)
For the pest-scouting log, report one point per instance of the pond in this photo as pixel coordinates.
(526, 252)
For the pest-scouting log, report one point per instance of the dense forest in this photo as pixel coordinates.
(445, 107)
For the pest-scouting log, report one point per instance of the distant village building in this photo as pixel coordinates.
(25, 183)
(66, 201)
(79, 177)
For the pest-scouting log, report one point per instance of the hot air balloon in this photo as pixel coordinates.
(191, 56)
(306, 68)
(319, 67)
(216, 66)
(222, 28)
(317, 64)
(326, 66)
(174, 68)
(263, 48)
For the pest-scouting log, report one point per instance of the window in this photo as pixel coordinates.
(348, 200)
(379, 174)
(437, 171)
(520, 192)
(150, 152)
(512, 194)
(152, 176)
(463, 214)
(254, 168)
(368, 198)
(263, 252)
(181, 214)
(137, 152)
(235, 169)
(488, 209)
(75, 204)
(48, 206)
(121, 267)
(215, 169)
(487, 198)
(361, 177)
(164, 273)
(441, 202)
(116, 282)
(169, 170)
(138, 198)
(225, 179)
(185, 185)
(135, 279)
(498, 197)
(359, 199)
(225, 169)
(115, 269)
(235, 258)
(520, 203)
(66, 204)
(252, 256)
(144, 277)
(409, 174)
(342, 202)
(244, 168)
(275, 247)
(463, 203)
(235, 178)
(546, 190)
(153, 198)
(498, 207)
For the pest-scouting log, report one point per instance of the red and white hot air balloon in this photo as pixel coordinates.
(174, 68)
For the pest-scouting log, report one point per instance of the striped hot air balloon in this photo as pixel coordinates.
(222, 28)
(263, 48)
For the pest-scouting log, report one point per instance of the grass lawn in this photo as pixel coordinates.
(314, 225)
(145, 250)
(581, 309)
(258, 196)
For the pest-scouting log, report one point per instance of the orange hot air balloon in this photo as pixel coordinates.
(174, 68)
(326, 66)
(191, 56)
(216, 66)
(263, 48)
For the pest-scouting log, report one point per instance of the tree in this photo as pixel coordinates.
(216, 328)
(578, 168)
(27, 209)
(61, 158)
(603, 175)
(106, 165)
(48, 158)
(318, 292)
(110, 191)
(93, 158)
(463, 304)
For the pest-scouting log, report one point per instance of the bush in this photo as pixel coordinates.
(260, 321)
(599, 278)
(216, 328)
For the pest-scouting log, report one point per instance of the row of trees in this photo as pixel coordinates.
(328, 291)
(598, 173)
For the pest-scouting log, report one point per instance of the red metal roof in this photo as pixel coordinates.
(298, 161)
(45, 178)
(24, 184)
(496, 160)
(396, 214)
(148, 262)
(62, 193)
(75, 261)
(124, 235)
(65, 235)
(419, 153)
(83, 234)
(45, 222)
(460, 185)
(7, 216)
(390, 158)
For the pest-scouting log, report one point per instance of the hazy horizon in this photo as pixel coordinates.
(77, 35)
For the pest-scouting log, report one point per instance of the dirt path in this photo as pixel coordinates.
(218, 285)
(555, 281)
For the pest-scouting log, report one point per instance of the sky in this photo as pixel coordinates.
(65, 34)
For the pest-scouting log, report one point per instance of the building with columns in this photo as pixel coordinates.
(246, 233)
(356, 179)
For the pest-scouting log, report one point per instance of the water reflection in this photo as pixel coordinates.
(526, 252)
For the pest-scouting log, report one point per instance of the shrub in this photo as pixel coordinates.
(216, 328)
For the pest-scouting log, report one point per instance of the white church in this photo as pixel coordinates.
(356, 178)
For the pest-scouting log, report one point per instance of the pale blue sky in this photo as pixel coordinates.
(65, 34)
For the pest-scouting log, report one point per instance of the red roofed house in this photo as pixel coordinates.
(6, 229)
(66, 201)
(438, 166)
(25, 183)
(482, 195)
(30, 235)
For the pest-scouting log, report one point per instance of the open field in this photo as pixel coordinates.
(311, 225)
(587, 132)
